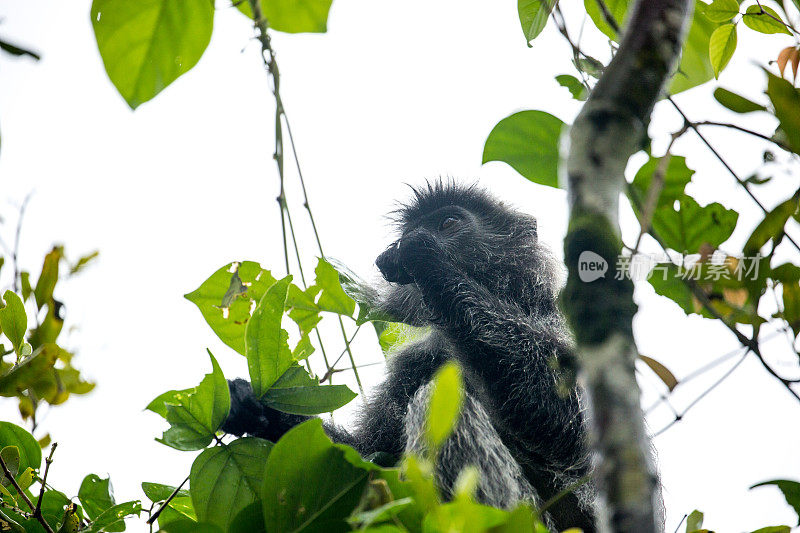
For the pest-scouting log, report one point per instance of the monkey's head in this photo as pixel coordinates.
(475, 235)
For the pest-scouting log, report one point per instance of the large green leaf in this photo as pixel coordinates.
(695, 67)
(30, 454)
(194, 414)
(31, 371)
(311, 484)
(97, 496)
(13, 320)
(722, 10)
(721, 47)
(292, 16)
(735, 102)
(764, 19)
(332, 296)
(790, 490)
(528, 141)
(298, 393)
(113, 519)
(226, 479)
(786, 100)
(691, 226)
(148, 44)
(533, 15)
(225, 299)
(266, 343)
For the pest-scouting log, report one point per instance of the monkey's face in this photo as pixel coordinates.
(449, 233)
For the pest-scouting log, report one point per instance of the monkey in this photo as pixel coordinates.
(473, 270)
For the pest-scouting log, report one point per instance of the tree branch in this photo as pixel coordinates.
(610, 128)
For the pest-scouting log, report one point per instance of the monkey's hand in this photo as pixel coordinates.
(420, 254)
(248, 415)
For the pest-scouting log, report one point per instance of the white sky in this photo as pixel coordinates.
(393, 94)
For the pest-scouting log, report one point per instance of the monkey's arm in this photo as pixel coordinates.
(248, 415)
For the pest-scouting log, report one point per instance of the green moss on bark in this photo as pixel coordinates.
(595, 309)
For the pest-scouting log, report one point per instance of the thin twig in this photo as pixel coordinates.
(164, 505)
(37, 513)
(714, 385)
(743, 130)
(16, 241)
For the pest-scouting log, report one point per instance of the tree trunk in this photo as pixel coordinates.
(611, 127)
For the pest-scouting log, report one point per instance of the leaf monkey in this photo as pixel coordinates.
(472, 269)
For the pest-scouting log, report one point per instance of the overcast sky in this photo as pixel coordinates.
(392, 94)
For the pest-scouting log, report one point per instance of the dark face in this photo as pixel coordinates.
(453, 227)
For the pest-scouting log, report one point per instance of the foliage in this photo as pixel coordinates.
(305, 482)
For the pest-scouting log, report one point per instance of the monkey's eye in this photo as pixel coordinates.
(448, 222)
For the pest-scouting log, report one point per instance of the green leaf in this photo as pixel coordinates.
(332, 297)
(533, 15)
(574, 86)
(528, 142)
(392, 336)
(311, 484)
(786, 100)
(97, 496)
(617, 8)
(25, 284)
(721, 47)
(14, 321)
(303, 309)
(148, 44)
(694, 521)
(676, 177)
(179, 508)
(83, 261)
(689, 227)
(590, 66)
(194, 414)
(735, 102)
(311, 400)
(382, 513)
(113, 519)
(266, 343)
(695, 66)
(774, 529)
(30, 454)
(772, 225)
(764, 19)
(10, 455)
(722, 10)
(226, 479)
(445, 405)
(49, 276)
(225, 299)
(790, 490)
(158, 492)
(791, 306)
(293, 16)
